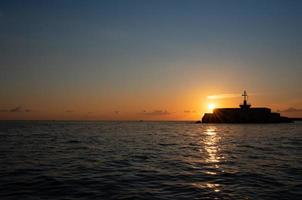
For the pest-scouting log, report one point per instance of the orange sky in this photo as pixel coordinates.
(184, 106)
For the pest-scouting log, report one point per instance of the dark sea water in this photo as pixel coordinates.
(150, 160)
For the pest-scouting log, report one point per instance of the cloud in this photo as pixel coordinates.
(17, 109)
(229, 95)
(156, 112)
(117, 112)
(291, 109)
(189, 111)
(69, 111)
(224, 96)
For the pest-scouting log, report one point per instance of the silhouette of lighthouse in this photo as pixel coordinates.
(245, 105)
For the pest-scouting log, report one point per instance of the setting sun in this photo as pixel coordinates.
(211, 106)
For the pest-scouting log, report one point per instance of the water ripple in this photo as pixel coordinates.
(149, 160)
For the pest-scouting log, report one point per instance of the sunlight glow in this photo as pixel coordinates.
(211, 107)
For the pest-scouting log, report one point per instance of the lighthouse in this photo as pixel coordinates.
(245, 105)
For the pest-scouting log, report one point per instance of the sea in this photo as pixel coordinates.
(149, 160)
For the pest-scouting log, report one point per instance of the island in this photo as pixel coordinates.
(244, 114)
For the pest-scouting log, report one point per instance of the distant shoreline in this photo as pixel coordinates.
(61, 120)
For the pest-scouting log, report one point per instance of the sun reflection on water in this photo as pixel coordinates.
(213, 186)
(210, 145)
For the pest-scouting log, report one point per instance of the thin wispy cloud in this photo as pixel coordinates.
(155, 112)
(189, 111)
(230, 95)
(224, 96)
(17, 109)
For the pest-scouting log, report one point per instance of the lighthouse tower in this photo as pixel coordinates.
(245, 105)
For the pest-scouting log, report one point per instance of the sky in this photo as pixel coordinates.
(150, 60)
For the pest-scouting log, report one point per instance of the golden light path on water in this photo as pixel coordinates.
(209, 144)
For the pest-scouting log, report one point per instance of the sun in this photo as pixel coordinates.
(211, 106)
